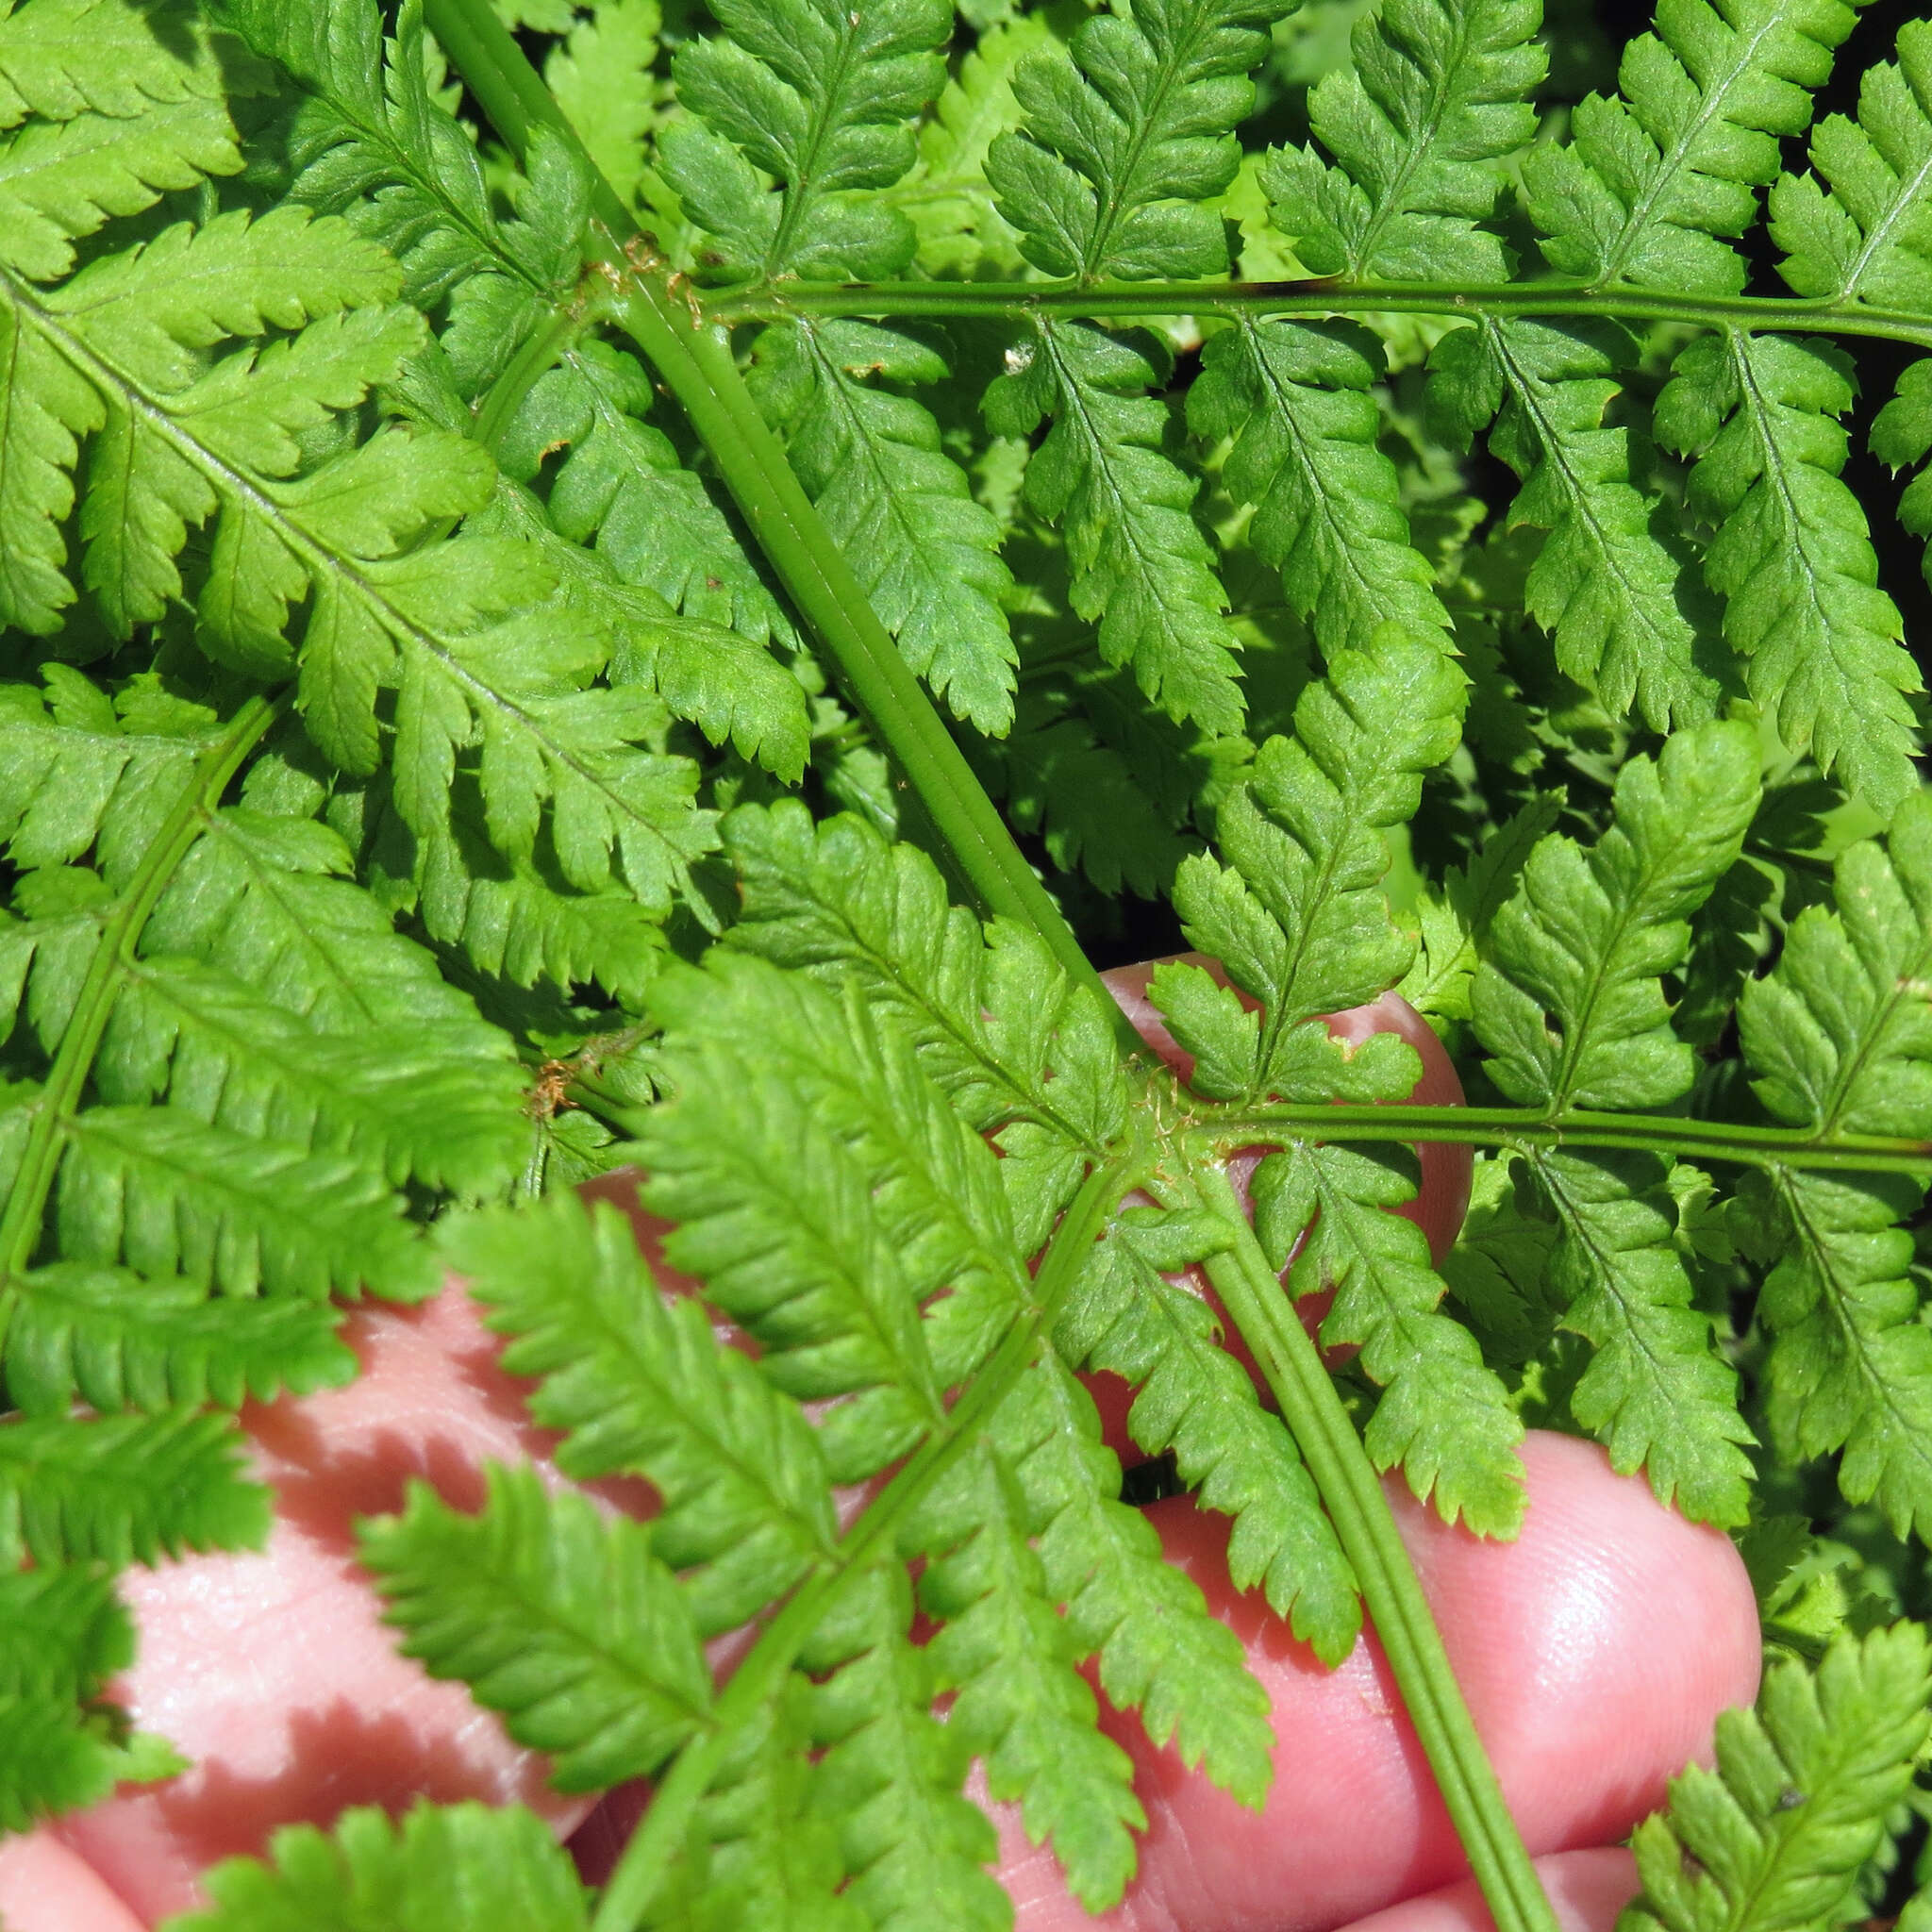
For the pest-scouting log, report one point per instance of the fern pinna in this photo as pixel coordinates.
(535, 600)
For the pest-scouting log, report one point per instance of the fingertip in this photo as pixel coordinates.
(47, 1886)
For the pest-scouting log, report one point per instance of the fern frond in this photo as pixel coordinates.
(1567, 999)
(220, 1052)
(1820, 640)
(61, 59)
(443, 1868)
(1129, 133)
(80, 770)
(171, 1193)
(725, 683)
(1158, 1649)
(524, 924)
(568, 1624)
(1838, 1035)
(825, 1191)
(371, 142)
(640, 1385)
(66, 1634)
(1021, 1703)
(621, 484)
(1193, 1399)
(1141, 568)
(1019, 1050)
(126, 1489)
(1653, 177)
(1850, 1365)
(1569, 1002)
(1655, 1393)
(1839, 1038)
(1329, 513)
(924, 551)
(822, 102)
(1293, 909)
(1775, 1835)
(114, 1340)
(914, 1849)
(1864, 233)
(1435, 99)
(1608, 583)
(772, 1851)
(603, 79)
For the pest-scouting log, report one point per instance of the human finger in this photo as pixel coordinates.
(271, 1669)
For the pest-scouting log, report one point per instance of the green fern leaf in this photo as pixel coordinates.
(1655, 1393)
(825, 1191)
(66, 1633)
(1435, 99)
(116, 1341)
(602, 77)
(126, 1489)
(1195, 1399)
(1653, 177)
(641, 1386)
(1839, 1037)
(1329, 513)
(1820, 638)
(1775, 1835)
(772, 1853)
(1294, 910)
(1128, 132)
(1021, 1703)
(1140, 566)
(443, 1868)
(1021, 1054)
(1850, 1365)
(388, 1095)
(1867, 239)
(171, 1193)
(567, 1623)
(61, 59)
(621, 484)
(1442, 1415)
(1158, 1649)
(821, 102)
(914, 1849)
(524, 924)
(1567, 999)
(926, 553)
(1606, 584)
(1570, 1001)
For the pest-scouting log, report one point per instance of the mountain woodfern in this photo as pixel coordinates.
(541, 576)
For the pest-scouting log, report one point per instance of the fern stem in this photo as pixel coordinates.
(1526, 1128)
(1353, 1495)
(662, 1833)
(693, 357)
(1122, 300)
(20, 1224)
(504, 396)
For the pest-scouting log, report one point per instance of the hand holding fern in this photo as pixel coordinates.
(275, 1673)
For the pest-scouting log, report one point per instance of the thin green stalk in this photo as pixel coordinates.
(1352, 1495)
(693, 357)
(73, 1059)
(526, 368)
(661, 1835)
(1525, 1127)
(1122, 300)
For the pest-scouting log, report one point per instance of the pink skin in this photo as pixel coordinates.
(1595, 1653)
